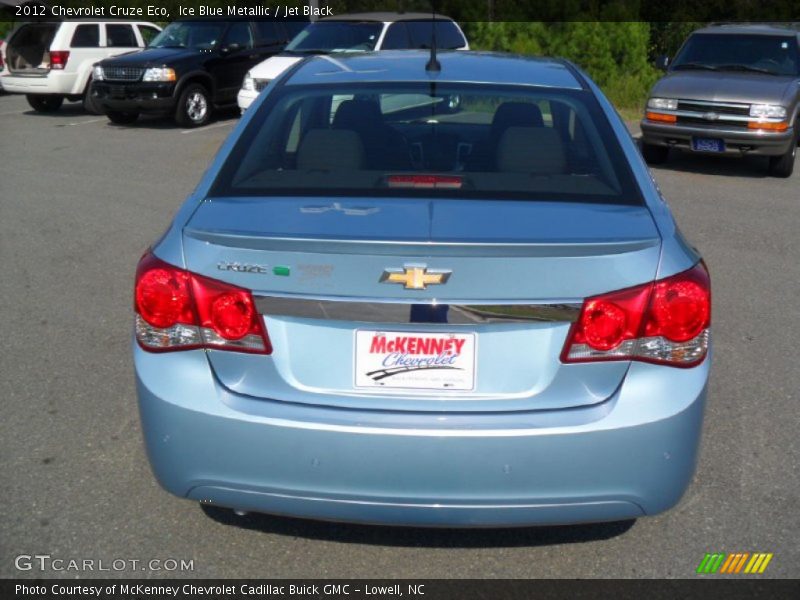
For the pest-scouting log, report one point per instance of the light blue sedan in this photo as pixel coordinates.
(425, 294)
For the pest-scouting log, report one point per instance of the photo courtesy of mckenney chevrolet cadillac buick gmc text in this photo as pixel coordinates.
(422, 290)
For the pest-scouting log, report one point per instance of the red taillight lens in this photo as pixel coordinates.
(162, 297)
(231, 315)
(58, 59)
(664, 322)
(178, 310)
(680, 306)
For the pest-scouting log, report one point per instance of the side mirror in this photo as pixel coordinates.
(231, 48)
(662, 62)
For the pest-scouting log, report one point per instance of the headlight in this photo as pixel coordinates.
(249, 85)
(663, 103)
(159, 74)
(763, 111)
(97, 73)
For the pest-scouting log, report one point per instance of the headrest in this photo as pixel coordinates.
(330, 149)
(538, 150)
(517, 114)
(353, 114)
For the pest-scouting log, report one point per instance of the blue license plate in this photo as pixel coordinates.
(708, 145)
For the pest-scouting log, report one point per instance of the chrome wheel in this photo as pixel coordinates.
(196, 106)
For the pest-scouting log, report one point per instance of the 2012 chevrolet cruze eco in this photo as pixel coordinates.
(457, 299)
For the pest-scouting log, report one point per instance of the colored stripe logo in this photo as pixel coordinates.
(735, 563)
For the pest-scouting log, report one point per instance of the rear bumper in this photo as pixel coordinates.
(631, 455)
(737, 142)
(54, 82)
(156, 98)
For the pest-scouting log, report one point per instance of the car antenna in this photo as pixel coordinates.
(433, 64)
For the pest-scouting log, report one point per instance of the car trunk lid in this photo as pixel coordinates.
(318, 268)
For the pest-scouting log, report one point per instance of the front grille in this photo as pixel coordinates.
(712, 124)
(260, 84)
(742, 110)
(122, 73)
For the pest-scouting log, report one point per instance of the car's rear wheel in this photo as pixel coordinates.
(90, 103)
(654, 155)
(122, 118)
(194, 106)
(45, 103)
(783, 166)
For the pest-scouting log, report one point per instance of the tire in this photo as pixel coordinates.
(45, 103)
(90, 103)
(655, 155)
(122, 118)
(782, 166)
(194, 106)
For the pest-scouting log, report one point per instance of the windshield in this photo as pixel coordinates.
(198, 35)
(336, 36)
(455, 140)
(768, 54)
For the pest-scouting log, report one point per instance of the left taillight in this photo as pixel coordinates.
(58, 59)
(180, 310)
(665, 321)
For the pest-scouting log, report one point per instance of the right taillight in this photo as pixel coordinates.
(180, 310)
(665, 322)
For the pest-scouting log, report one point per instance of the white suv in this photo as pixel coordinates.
(361, 32)
(52, 61)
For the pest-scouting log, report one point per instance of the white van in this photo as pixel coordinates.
(52, 61)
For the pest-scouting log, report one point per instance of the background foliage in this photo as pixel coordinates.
(612, 44)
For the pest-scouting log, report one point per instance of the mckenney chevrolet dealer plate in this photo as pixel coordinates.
(413, 360)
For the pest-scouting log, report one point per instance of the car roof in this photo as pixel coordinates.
(386, 17)
(456, 66)
(750, 29)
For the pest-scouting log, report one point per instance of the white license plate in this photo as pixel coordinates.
(414, 360)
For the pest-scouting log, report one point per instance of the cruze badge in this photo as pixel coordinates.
(415, 277)
(241, 267)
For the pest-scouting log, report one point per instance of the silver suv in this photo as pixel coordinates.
(732, 89)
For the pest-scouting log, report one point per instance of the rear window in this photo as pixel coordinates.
(120, 36)
(86, 36)
(463, 141)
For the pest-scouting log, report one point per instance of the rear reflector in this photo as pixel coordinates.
(661, 117)
(441, 182)
(58, 59)
(179, 310)
(666, 322)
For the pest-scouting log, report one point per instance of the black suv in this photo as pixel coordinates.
(191, 67)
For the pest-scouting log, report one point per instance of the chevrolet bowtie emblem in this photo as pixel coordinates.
(415, 277)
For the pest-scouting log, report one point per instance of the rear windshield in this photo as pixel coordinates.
(453, 140)
(768, 54)
(336, 36)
